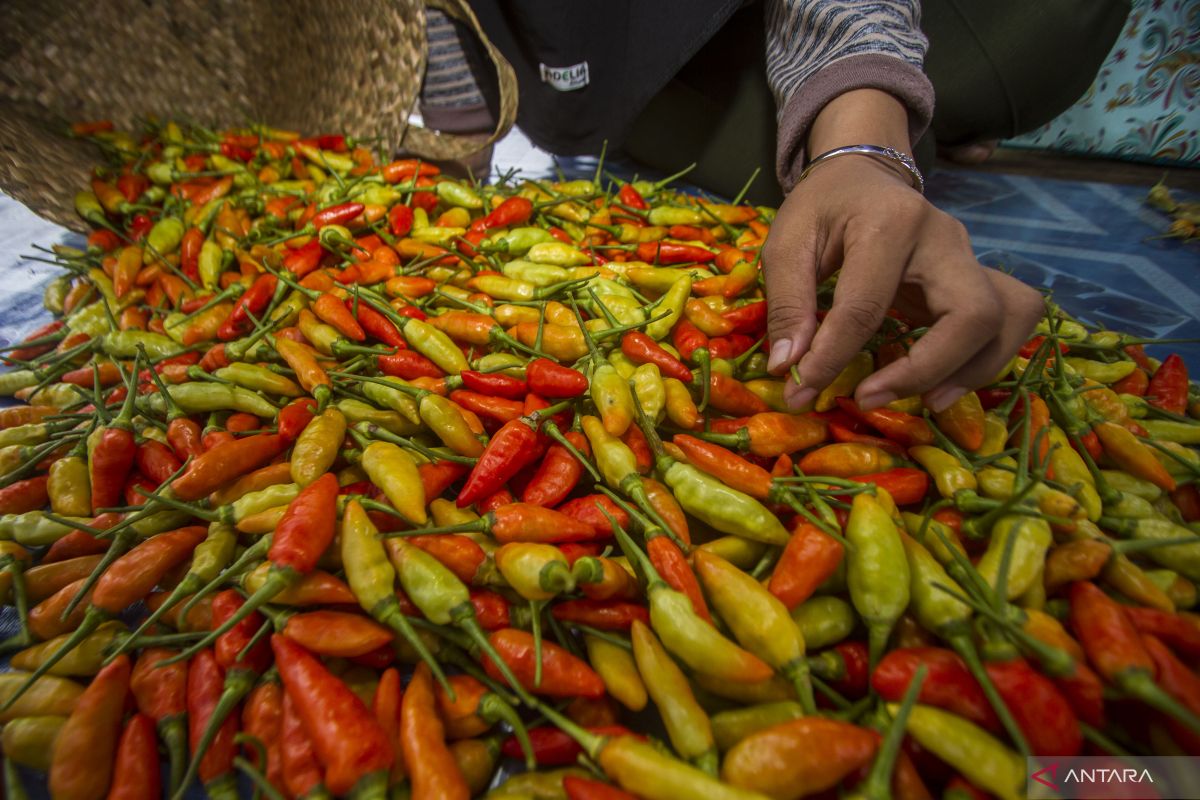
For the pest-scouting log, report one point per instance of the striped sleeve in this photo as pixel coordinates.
(819, 49)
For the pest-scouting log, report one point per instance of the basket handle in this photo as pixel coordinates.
(448, 146)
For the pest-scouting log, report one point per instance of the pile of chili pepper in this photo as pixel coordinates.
(429, 487)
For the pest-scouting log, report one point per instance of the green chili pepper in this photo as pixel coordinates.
(517, 241)
(824, 620)
(453, 193)
(201, 398)
(877, 570)
(982, 759)
(210, 264)
(673, 302)
(651, 393)
(357, 411)
(436, 346)
(1032, 537)
(259, 379)
(164, 238)
(759, 621)
(686, 722)
(730, 727)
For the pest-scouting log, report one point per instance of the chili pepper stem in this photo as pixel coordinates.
(1101, 740)
(535, 619)
(961, 643)
(471, 627)
(255, 552)
(262, 786)
(372, 786)
(801, 678)
(120, 544)
(23, 638)
(91, 621)
(877, 786)
(830, 693)
(173, 730)
(278, 579)
(1142, 686)
(188, 585)
(13, 788)
(388, 613)
(238, 683)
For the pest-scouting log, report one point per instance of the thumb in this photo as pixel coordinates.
(790, 272)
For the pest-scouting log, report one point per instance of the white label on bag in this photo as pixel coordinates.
(566, 79)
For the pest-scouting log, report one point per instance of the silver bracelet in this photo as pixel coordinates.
(887, 153)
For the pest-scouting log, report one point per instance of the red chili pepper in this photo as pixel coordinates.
(905, 429)
(400, 220)
(33, 351)
(629, 196)
(731, 346)
(156, 461)
(854, 656)
(206, 679)
(729, 396)
(563, 675)
(496, 408)
(333, 311)
(136, 770)
(513, 211)
(749, 319)
(584, 510)
(554, 748)
(577, 788)
(27, 495)
(253, 301)
(688, 340)
(809, 558)
(644, 350)
(673, 253)
(949, 684)
(336, 634)
(1181, 683)
(672, 565)
(406, 168)
(497, 499)
(295, 416)
(386, 706)
(731, 468)
(1030, 348)
(304, 259)
(496, 384)
(433, 771)
(635, 440)
(378, 326)
(513, 446)
(348, 740)
(337, 215)
(409, 365)
(554, 381)
(112, 459)
(139, 226)
(1113, 645)
(437, 476)
(302, 772)
(1168, 387)
(1180, 632)
(557, 475)
(460, 555)
(906, 485)
(82, 758)
(306, 530)
(1039, 708)
(1187, 500)
(1135, 383)
(491, 609)
(603, 614)
(225, 462)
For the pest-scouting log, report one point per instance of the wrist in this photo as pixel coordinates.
(860, 116)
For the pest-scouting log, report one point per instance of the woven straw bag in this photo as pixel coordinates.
(309, 65)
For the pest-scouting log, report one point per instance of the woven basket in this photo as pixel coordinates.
(309, 65)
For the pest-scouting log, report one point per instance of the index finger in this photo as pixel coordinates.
(865, 289)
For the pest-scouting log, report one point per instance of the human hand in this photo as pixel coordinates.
(894, 250)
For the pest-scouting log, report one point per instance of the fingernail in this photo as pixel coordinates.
(781, 354)
(943, 397)
(799, 399)
(875, 399)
